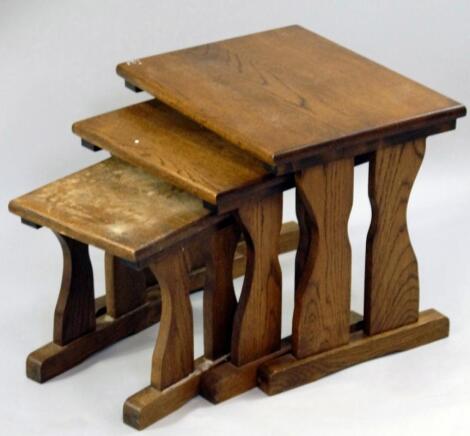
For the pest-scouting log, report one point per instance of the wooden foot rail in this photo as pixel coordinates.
(287, 372)
(227, 380)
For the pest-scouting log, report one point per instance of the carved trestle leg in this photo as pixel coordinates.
(323, 260)
(176, 375)
(173, 358)
(320, 345)
(84, 325)
(256, 335)
(220, 301)
(126, 288)
(74, 313)
(391, 282)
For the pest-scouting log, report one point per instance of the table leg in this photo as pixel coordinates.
(175, 376)
(74, 314)
(256, 333)
(125, 287)
(220, 301)
(391, 283)
(323, 260)
(257, 324)
(84, 325)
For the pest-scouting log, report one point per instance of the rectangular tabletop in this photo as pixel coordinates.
(289, 94)
(157, 138)
(118, 208)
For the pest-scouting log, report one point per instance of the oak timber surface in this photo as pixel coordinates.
(288, 93)
(159, 139)
(116, 207)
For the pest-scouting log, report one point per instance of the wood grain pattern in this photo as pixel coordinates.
(288, 93)
(391, 281)
(51, 359)
(74, 314)
(227, 380)
(288, 241)
(116, 207)
(257, 324)
(323, 260)
(160, 140)
(220, 301)
(287, 372)
(150, 404)
(126, 287)
(174, 352)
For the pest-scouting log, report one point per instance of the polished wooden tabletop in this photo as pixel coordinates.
(289, 94)
(116, 207)
(165, 143)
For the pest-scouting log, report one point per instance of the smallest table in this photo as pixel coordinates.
(140, 221)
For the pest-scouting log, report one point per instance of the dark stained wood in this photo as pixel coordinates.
(289, 94)
(132, 87)
(323, 260)
(257, 324)
(125, 287)
(391, 282)
(160, 140)
(287, 372)
(74, 314)
(220, 302)
(174, 352)
(119, 208)
(150, 404)
(51, 359)
(227, 380)
(288, 241)
(90, 146)
(361, 151)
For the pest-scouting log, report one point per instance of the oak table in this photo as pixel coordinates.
(140, 221)
(308, 108)
(232, 125)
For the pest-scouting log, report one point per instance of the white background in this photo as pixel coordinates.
(57, 61)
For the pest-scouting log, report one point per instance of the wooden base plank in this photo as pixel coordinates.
(150, 404)
(228, 380)
(52, 359)
(287, 372)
